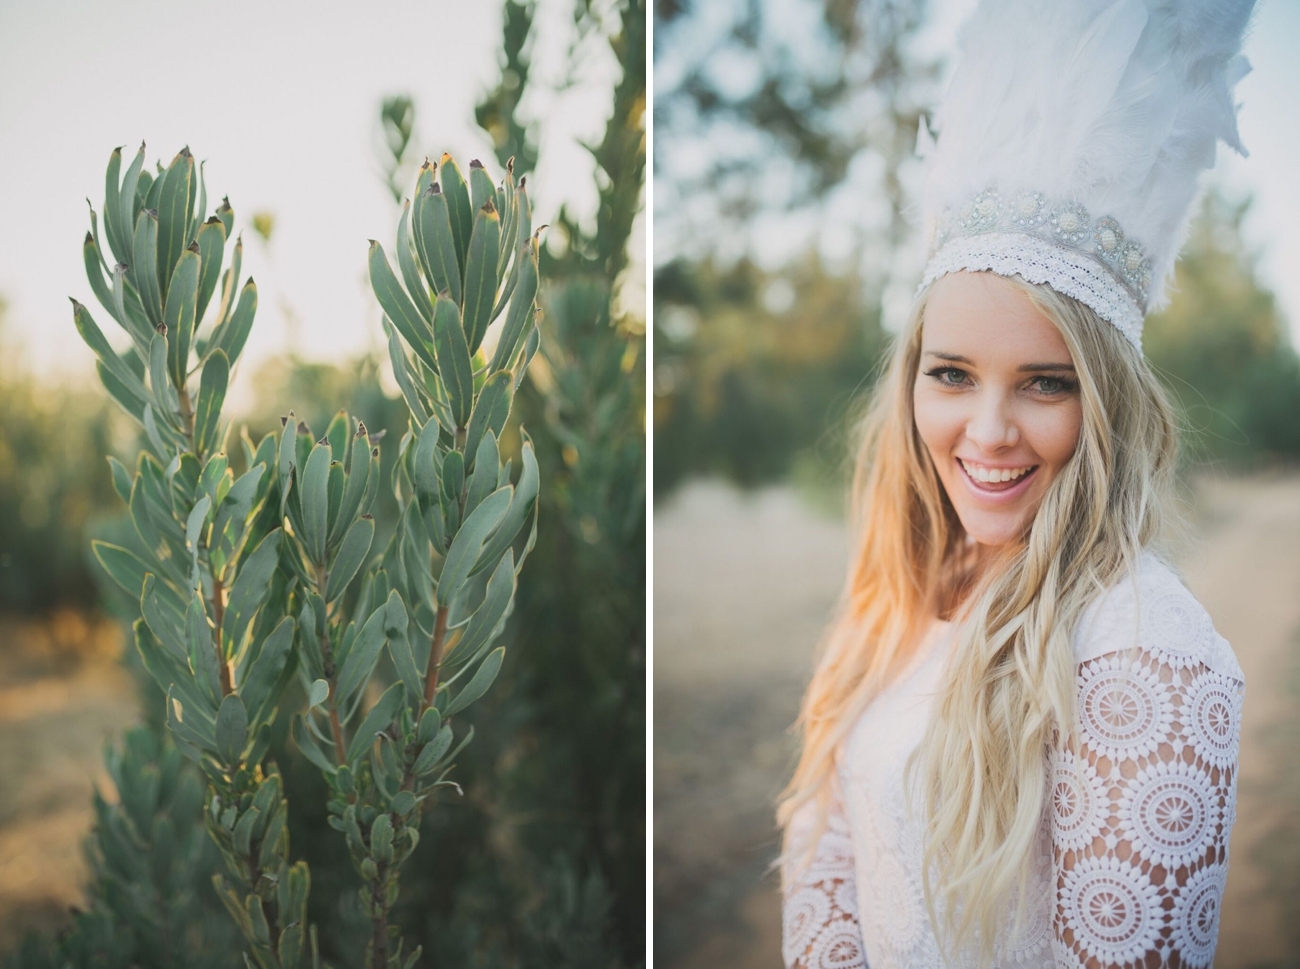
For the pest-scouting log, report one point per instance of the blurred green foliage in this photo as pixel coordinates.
(54, 484)
(758, 373)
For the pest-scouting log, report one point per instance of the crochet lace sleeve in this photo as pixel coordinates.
(820, 898)
(1143, 800)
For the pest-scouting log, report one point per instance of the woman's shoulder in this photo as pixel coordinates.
(1152, 610)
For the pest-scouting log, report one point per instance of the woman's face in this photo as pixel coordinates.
(996, 402)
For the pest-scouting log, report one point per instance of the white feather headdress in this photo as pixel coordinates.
(1071, 142)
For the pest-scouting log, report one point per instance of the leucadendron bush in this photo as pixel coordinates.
(246, 582)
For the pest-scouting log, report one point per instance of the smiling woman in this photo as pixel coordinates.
(1020, 741)
(997, 405)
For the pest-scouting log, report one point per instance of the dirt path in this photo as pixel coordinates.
(743, 586)
(59, 702)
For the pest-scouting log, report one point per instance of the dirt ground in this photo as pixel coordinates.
(743, 585)
(63, 694)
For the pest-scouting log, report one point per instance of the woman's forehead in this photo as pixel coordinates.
(988, 320)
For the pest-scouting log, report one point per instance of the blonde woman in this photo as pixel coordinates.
(1020, 740)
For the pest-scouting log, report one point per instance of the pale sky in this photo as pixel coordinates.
(1269, 123)
(282, 100)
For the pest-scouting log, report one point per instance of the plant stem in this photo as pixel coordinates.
(435, 657)
(327, 660)
(187, 416)
(218, 614)
(379, 936)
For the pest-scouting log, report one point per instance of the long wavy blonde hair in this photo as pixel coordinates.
(1009, 691)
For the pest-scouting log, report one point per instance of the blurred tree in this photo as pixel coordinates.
(1224, 349)
(543, 863)
(776, 105)
(754, 370)
(53, 484)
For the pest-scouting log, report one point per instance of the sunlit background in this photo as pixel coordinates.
(543, 859)
(785, 256)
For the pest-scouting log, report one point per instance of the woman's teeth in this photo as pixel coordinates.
(991, 475)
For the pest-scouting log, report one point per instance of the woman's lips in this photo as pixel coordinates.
(997, 491)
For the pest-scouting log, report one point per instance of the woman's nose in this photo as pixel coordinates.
(991, 426)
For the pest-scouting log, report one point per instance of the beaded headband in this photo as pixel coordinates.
(1071, 143)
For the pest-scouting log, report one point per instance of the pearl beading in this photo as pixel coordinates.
(1052, 242)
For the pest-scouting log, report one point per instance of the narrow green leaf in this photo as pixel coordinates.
(120, 393)
(481, 274)
(402, 373)
(121, 479)
(202, 654)
(434, 242)
(426, 463)
(232, 728)
(113, 224)
(483, 481)
(361, 658)
(488, 616)
(352, 554)
(398, 306)
(310, 749)
(480, 186)
(454, 358)
(264, 680)
(212, 246)
(490, 410)
(231, 337)
(318, 694)
(94, 337)
(313, 498)
(212, 394)
(433, 751)
(174, 207)
(250, 589)
(415, 286)
(468, 543)
(519, 312)
(479, 683)
(429, 723)
(376, 719)
(462, 214)
(530, 347)
(165, 402)
(227, 216)
(144, 266)
(243, 834)
(522, 504)
(182, 294)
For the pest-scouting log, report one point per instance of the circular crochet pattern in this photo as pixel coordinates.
(1167, 815)
(838, 947)
(1077, 798)
(1174, 626)
(1196, 915)
(1123, 708)
(893, 900)
(805, 914)
(1213, 719)
(1112, 908)
(845, 897)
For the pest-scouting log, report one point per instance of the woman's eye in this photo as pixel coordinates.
(948, 376)
(1053, 386)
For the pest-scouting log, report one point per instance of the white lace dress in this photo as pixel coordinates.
(1134, 850)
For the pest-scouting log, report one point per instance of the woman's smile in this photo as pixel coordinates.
(996, 402)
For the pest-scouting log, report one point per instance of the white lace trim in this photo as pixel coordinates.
(1068, 271)
(820, 914)
(1140, 808)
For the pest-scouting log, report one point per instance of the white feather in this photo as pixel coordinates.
(1115, 104)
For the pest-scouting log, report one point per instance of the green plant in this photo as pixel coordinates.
(446, 581)
(248, 580)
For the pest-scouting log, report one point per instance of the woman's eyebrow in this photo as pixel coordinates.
(1045, 366)
(954, 357)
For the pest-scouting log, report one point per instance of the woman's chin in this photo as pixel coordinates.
(994, 529)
